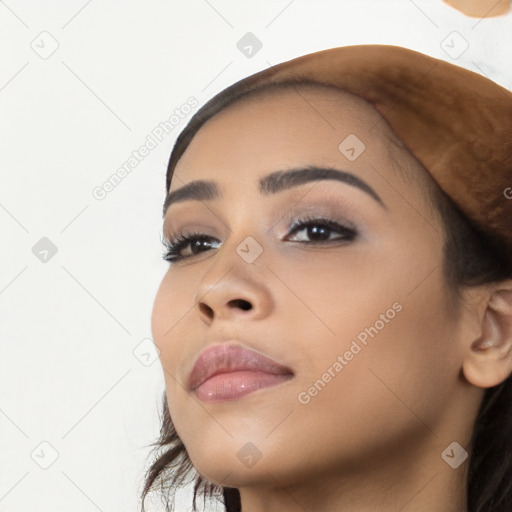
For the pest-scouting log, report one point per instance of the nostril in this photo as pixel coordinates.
(240, 303)
(206, 310)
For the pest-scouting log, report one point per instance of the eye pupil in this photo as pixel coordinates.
(318, 233)
(198, 244)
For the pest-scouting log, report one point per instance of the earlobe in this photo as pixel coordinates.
(488, 361)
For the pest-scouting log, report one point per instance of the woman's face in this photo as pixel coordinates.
(361, 317)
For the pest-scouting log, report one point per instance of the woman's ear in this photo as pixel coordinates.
(488, 359)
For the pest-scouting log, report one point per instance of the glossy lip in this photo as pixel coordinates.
(227, 358)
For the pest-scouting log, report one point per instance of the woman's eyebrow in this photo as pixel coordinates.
(201, 190)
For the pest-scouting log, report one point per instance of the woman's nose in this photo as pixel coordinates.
(231, 288)
(208, 312)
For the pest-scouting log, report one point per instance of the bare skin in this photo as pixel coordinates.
(372, 438)
(481, 8)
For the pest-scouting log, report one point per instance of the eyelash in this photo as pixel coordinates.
(174, 247)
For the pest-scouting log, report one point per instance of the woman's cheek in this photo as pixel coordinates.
(166, 329)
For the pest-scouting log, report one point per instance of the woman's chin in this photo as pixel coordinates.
(230, 472)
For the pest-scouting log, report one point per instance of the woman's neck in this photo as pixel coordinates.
(427, 486)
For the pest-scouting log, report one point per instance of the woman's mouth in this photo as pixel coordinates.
(228, 372)
(233, 385)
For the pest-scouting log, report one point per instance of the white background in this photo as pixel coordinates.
(69, 326)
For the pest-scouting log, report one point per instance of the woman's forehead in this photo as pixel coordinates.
(317, 123)
(319, 127)
(318, 103)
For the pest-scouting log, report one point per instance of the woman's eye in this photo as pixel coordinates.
(194, 243)
(320, 230)
(314, 231)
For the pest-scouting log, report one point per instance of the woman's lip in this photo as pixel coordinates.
(233, 385)
(229, 358)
